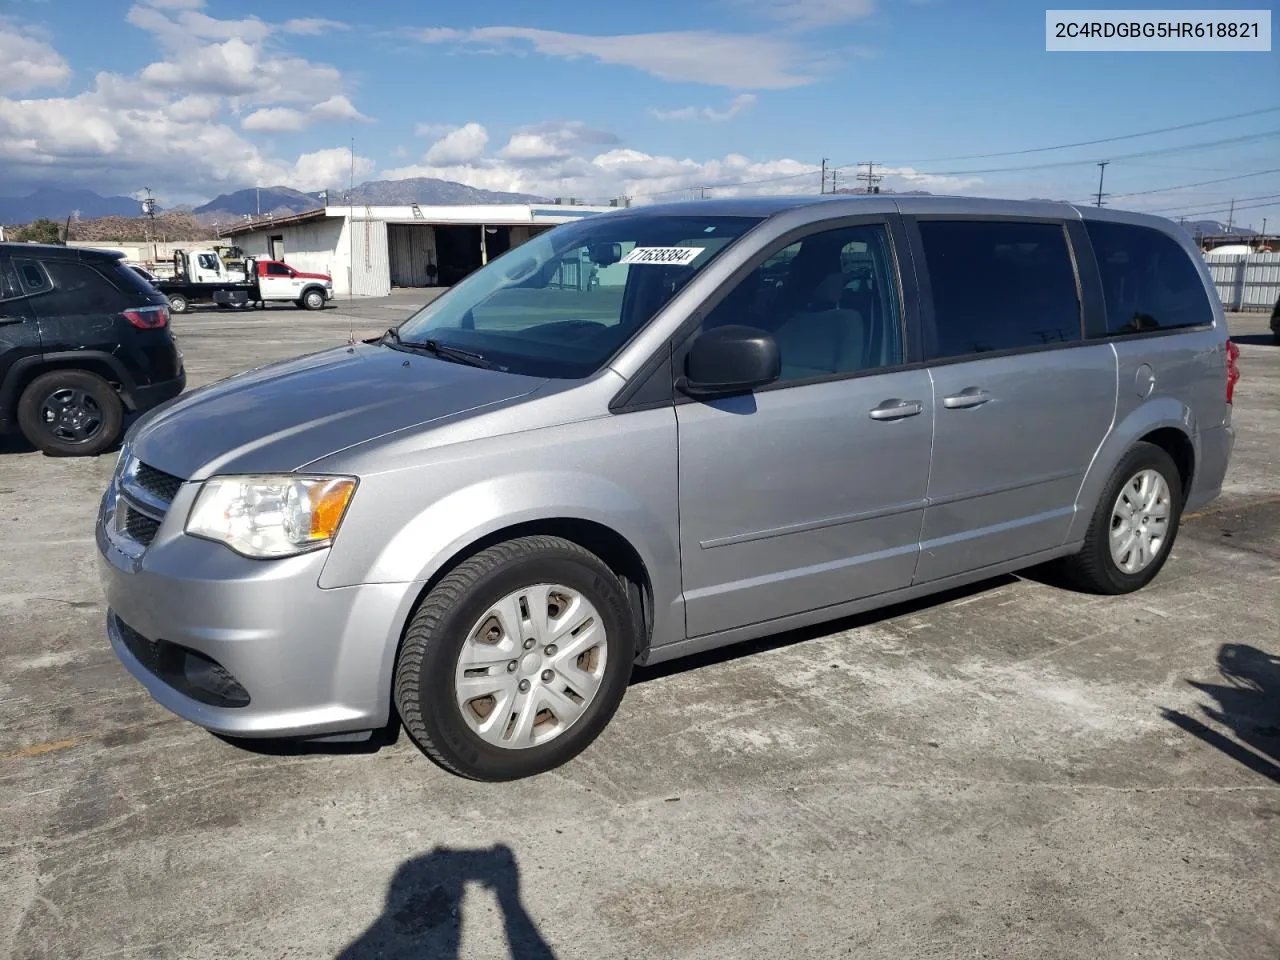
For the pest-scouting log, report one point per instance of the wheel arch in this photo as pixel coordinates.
(1166, 422)
(102, 364)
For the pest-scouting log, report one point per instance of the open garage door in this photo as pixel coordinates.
(412, 248)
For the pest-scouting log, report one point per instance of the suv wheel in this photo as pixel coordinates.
(70, 413)
(516, 660)
(313, 300)
(1133, 526)
(178, 303)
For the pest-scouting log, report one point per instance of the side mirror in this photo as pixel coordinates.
(728, 360)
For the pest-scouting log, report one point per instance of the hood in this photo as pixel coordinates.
(281, 416)
(314, 276)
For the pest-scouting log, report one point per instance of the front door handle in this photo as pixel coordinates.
(896, 409)
(968, 397)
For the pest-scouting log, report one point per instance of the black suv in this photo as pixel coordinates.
(83, 339)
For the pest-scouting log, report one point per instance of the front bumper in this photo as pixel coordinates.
(312, 661)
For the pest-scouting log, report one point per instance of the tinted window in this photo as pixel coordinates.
(78, 289)
(277, 270)
(33, 278)
(129, 279)
(830, 300)
(1000, 285)
(9, 288)
(1148, 281)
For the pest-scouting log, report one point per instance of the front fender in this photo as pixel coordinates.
(1155, 414)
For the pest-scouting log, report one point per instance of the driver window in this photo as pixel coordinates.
(830, 301)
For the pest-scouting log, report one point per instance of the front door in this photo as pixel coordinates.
(276, 281)
(810, 492)
(19, 330)
(1021, 403)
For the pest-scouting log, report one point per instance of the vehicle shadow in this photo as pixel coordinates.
(1248, 704)
(422, 916)
(791, 637)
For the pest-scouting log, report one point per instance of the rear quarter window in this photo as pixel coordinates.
(1148, 280)
(124, 277)
(79, 289)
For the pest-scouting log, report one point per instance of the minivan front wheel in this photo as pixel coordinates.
(70, 413)
(517, 660)
(1133, 526)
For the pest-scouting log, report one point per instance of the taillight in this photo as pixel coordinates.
(148, 318)
(1233, 369)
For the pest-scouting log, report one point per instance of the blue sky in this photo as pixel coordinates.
(196, 97)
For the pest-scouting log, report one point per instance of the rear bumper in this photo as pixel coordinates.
(141, 399)
(1216, 445)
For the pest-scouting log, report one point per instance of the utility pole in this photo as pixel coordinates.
(258, 195)
(1102, 169)
(1264, 226)
(1232, 215)
(835, 180)
(871, 177)
(823, 188)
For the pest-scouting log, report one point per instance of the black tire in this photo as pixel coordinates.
(1093, 569)
(313, 300)
(178, 303)
(48, 419)
(424, 676)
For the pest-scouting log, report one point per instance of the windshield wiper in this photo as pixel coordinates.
(455, 354)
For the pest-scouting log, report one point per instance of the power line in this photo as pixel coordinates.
(1162, 151)
(1214, 203)
(1236, 209)
(1090, 143)
(1201, 183)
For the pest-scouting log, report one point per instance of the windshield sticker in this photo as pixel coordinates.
(667, 256)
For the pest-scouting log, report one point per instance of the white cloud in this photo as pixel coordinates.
(327, 168)
(564, 159)
(178, 31)
(28, 62)
(275, 120)
(338, 107)
(459, 146)
(743, 101)
(433, 130)
(740, 61)
(312, 26)
(810, 14)
(177, 4)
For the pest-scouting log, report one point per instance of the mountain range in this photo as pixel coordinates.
(58, 204)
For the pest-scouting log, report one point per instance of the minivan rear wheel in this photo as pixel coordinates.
(70, 413)
(1134, 524)
(515, 661)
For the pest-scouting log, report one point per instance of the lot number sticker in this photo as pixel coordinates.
(673, 256)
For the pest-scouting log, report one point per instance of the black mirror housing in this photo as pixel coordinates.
(730, 359)
(604, 254)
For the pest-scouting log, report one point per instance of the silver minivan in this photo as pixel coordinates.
(653, 432)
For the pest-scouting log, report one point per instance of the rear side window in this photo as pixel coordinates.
(999, 285)
(129, 280)
(33, 277)
(78, 289)
(1148, 280)
(9, 287)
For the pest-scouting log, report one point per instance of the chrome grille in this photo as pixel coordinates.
(143, 496)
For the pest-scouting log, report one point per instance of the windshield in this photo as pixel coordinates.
(563, 303)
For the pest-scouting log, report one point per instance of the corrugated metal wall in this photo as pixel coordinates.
(370, 267)
(412, 249)
(1249, 282)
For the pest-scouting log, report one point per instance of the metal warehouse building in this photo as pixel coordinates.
(368, 249)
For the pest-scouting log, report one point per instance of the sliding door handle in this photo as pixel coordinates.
(968, 397)
(896, 409)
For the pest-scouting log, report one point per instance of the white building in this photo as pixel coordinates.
(368, 250)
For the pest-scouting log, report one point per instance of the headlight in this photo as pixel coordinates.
(271, 516)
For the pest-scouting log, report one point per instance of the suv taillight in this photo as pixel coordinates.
(1233, 369)
(148, 318)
